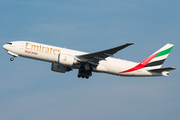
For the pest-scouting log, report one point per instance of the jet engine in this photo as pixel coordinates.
(66, 60)
(59, 68)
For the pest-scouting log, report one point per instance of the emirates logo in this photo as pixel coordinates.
(65, 58)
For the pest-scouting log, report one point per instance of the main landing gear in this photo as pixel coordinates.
(85, 72)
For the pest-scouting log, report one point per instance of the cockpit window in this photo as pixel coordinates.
(9, 43)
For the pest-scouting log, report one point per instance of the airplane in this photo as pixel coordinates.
(64, 60)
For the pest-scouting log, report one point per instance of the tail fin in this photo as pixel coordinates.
(154, 61)
(159, 57)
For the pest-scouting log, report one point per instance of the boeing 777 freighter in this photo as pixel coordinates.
(64, 60)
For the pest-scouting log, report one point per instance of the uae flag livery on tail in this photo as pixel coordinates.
(154, 61)
(159, 59)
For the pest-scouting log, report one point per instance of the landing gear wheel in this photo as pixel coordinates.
(85, 73)
(11, 59)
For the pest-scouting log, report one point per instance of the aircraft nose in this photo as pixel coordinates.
(5, 47)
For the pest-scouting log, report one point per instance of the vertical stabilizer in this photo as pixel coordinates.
(160, 57)
(154, 61)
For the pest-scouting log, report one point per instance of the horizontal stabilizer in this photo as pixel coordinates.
(162, 69)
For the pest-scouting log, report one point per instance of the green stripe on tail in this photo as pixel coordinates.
(167, 51)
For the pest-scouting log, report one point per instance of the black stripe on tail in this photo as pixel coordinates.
(155, 63)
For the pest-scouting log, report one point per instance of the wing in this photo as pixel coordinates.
(94, 58)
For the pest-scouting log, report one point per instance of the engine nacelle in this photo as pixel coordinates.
(66, 60)
(58, 68)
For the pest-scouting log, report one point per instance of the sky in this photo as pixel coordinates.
(29, 90)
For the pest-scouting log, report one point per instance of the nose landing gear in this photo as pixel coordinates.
(13, 55)
(12, 58)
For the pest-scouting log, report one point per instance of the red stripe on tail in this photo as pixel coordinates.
(141, 65)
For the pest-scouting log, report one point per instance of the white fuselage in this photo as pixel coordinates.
(50, 54)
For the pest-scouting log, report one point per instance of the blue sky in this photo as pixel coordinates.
(30, 90)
